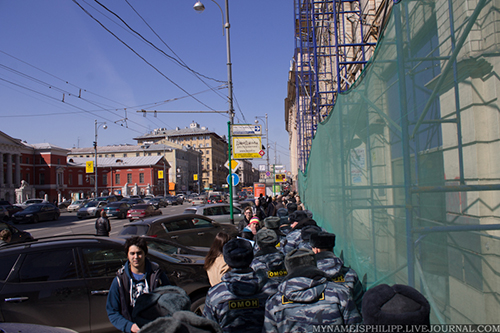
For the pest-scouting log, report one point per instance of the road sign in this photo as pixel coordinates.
(195, 177)
(280, 177)
(160, 174)
(246, 129)
(268, 174)
(262, 153)
(236, 179)
(262, 167)
(89, 167)
(246, 147)
(234, 165)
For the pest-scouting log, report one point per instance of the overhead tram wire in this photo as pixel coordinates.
(141, 57)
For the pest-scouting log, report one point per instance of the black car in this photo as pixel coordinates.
(17, 235)
(186, 229)
(10, 208)
(37, 212)
(64, 281)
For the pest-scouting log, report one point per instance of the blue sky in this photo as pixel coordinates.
(60, 69)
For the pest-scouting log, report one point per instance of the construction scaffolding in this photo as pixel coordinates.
(405, 168)
(332, 39)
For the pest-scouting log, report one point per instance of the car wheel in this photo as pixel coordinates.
(35, 219)
(198, 304)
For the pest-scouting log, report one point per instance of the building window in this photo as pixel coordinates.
(137, 154)
(105, 179)
(117, 179)
(100, 155)
(129, 178)
(58, 161)
(80, 179)
(70, 180)
(208, 159)
(112, 155)
(158, 154)
(125, 155)
(60, 179)
(42, 179)
(141, 178)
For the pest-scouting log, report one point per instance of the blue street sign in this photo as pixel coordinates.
(236, 179)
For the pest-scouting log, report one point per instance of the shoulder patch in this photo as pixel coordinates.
(273, 274)
(241, 304)
(284, 300)
(338, 278)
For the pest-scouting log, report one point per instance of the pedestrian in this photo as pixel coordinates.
(397, 305)
(258, 210)
(102, 225)
(279, 202)
(268, 258)
(247, 215)
(5, 237)
(215, 265)
(291, 207)
(322, 244)
(307, 298)
(251, 229)
(237, 303)
(138, 276)
(270, 208)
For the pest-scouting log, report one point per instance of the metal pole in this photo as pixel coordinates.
(199, 176)
(229, 68)
(95, 163)
(230, 178)
(267, 144)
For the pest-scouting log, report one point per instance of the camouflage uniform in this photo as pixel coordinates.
(291, 241)
(303, 301)
(237, 304)
(271, 262)
(332, 265)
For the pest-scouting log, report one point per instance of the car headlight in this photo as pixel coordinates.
(29, 215)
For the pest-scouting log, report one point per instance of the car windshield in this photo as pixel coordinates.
(78, 202)
(135, 230)
(190, 211)
(114, 204)
(32, 208)
(162, 247)
(141, 206)
(91, 204)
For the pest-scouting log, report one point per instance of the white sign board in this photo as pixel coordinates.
(262, 167)
(246, 147)
(239, 129)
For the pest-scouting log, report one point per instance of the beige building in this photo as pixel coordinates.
(213, 150)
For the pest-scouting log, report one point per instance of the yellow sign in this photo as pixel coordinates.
(195, 176)
(246, 147)
(280, 177)
(160, 174)
(89, 166)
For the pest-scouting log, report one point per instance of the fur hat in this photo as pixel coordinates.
(182, 322)
(162, 302)
(297, 216)
(272, 222)
(308, 230)
(396, 305)
(266, 238)
(322, 240)
(238, 253)
(291, 207)
(299, 258)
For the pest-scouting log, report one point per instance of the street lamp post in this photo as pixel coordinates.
(267, 139)
(199, 7)
(97, 125)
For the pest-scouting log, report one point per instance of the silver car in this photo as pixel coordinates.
(76, 205)
(91, 209)
(219, 212)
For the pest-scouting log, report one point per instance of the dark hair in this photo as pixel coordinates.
(137, 241)
(5, 234)
(216, 249)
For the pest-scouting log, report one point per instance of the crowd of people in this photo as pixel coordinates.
(279, 275)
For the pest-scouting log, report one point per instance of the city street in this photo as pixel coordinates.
(69, 224)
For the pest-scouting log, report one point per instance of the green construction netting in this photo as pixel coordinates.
(405, 170)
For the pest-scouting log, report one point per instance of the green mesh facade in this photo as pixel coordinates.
(406, 168)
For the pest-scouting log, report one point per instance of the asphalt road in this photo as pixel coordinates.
(69, 224)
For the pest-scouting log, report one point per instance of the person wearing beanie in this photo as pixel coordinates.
(269, 259)
(307, 297)
(322, 244)
(298, 220)
(396, 305)
(237, 303)
(251, 229)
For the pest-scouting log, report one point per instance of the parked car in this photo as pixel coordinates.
(10, 208)
(31, 202)
(91, 209)
(242, 195)
(63, 281)
(219, 212)
(134, 201)
(110, 198)
(186, 229)
(17, 235)
(32, 328)
(173, 200)
(76, 205)
(117, 209)
(35, 213)
(141, 211)
(4, 214)
(157, 202)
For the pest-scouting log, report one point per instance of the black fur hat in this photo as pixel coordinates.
(238, 253)
(322, 240)
(396, 305)
(297, 216)
(291, 207)
(308, 231)
(272, 222)
(299, 258)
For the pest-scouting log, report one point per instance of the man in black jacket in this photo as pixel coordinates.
(102, 225)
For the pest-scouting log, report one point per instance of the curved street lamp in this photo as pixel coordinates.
(97, 125)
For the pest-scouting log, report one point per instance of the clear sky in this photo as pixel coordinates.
(60, 69)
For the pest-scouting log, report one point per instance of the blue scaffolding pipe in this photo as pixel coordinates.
(456, 188)
(456, 228)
